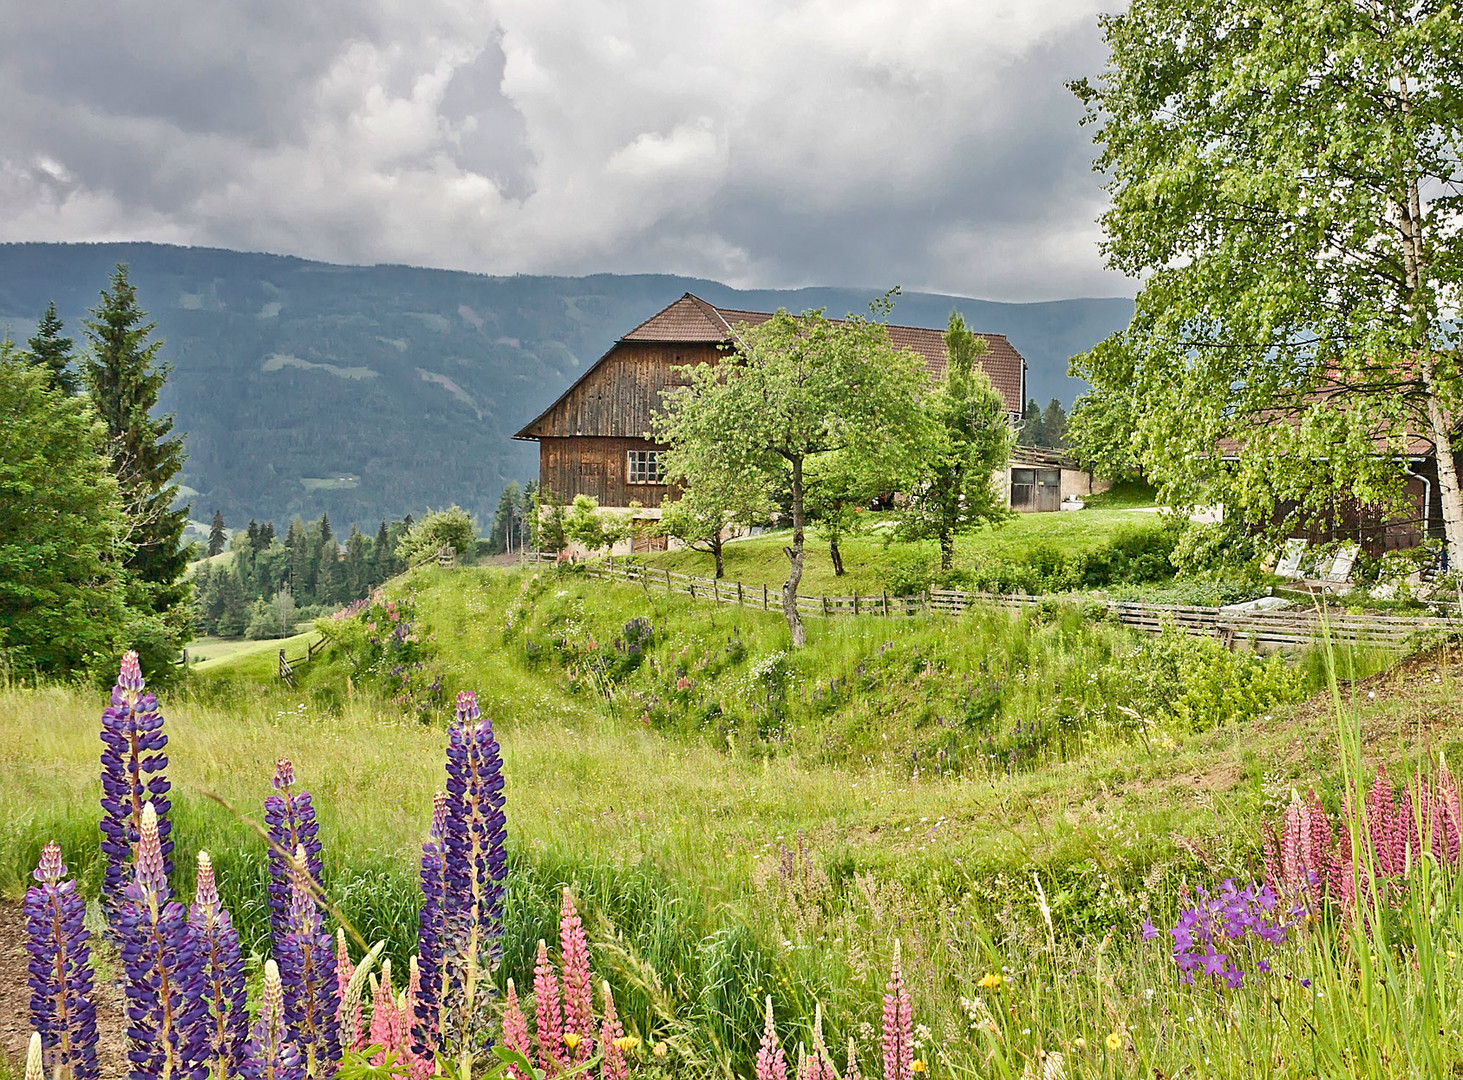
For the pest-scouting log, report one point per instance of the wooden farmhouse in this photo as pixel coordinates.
(593, 440)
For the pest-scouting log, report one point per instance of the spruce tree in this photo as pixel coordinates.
(266, 534)
(52, 353)
(217, 537)
(253, 535)
(380, 556)
(124, 376)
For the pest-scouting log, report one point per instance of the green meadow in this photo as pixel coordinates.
(1008, 797)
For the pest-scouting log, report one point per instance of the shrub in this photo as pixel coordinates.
(451, 528)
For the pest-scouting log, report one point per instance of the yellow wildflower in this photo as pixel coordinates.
(626, 1042)
(571, 1039)
(918, 1065)
(1114, 1041)
(659, 1050)
(990, 982)
(1079, 1043)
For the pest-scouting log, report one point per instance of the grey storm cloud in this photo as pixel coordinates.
(930, 143)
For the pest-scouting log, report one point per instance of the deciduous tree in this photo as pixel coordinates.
(1284, 181)
(793, 389)
(952, 482)
(710, 501)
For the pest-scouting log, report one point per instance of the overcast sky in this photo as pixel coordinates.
(929, 143)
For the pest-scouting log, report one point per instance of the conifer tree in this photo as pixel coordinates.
(52, 353)
(123, 375)
(253, 535)
(266, 534)
(381, 556)
(217, 537)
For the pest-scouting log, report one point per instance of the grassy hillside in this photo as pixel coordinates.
(872, 564)
(373, 392)
(720, 856)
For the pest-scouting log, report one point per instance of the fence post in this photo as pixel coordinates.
(739, 594)
(667, 579)
(855, 601)
(886, 603)
(825, 606)
(764, 596)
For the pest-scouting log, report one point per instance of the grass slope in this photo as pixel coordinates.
(731, 872)
(869, 560)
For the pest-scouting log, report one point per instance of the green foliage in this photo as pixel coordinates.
(123, 377)
(512, 520)
(1102, 431)
(1217, 549)
(53, 354)
(451, 528)
(1132, 555)
(797, 389)
(585, 524)
(952, 485)
(62, 594)
(381, 644)
(1293, 213)
(1044, 427)
(218, 535)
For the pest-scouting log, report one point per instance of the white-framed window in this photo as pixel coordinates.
(644, 467)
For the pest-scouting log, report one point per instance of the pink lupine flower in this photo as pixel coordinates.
(348, 1015)
(898, 1026)
(578, 994)
(388, 1028)
(611, 1041)
(1444, 819)
(548, 1016)
(820, 1062)
(515, 1030)
(771, 1061)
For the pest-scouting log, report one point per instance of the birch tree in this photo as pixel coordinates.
(1285, 184)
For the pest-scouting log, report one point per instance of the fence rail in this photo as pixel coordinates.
(1266, 629)
(287, 667)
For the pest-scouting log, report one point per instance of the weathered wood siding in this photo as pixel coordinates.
(616, 398)
(595, 466)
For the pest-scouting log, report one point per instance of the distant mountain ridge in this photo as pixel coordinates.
(369, 392)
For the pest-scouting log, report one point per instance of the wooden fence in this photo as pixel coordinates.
(287, 667)
(1263, 629)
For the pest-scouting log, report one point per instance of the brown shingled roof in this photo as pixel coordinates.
(692, 319)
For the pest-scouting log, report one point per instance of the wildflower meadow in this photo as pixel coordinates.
(449, 910)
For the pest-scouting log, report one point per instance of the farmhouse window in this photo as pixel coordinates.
(644, 467)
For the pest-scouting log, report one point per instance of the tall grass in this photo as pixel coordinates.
(710, 878)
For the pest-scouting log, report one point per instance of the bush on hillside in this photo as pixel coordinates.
(451, 528)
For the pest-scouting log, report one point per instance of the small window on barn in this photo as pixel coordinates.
(644, 467)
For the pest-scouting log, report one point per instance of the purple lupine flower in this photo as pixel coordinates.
(61, 1011)
(220, 984)
(272, 1054)
(290, 819)
(430, 935)
(165, 1036)
(133, 760)
(475, 840)
(307, 971)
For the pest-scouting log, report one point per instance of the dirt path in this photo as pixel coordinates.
(15, 1002)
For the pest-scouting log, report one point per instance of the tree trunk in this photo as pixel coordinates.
(1448, 487)
(795, 558)
(836, 555)
(716, 554)
(947, 549)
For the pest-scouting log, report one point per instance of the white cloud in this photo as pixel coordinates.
(769, 143)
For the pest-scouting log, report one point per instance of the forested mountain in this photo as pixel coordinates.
(371, 392)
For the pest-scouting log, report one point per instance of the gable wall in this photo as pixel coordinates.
(617, 398)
